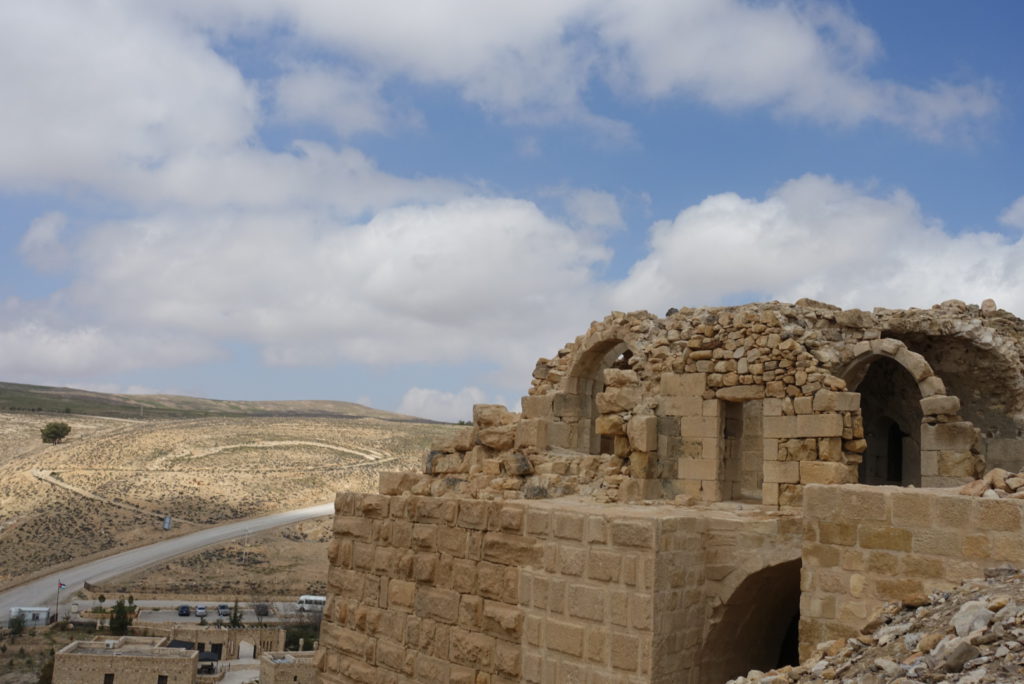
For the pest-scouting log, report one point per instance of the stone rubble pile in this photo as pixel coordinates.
(996, 484)
(971, 635)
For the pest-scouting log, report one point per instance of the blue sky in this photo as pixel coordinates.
(406, 204)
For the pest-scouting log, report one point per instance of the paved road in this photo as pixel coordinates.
(43, 591)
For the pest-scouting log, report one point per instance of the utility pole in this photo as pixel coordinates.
(56, 610)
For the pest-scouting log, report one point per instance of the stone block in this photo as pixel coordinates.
(610, 424)
(827, 401)
(438, 604)
(683, 384)
(781, 427)
(820, 425)
(539, 406)
(499, 437)
(700, 427)
(802, 406)
(680, 406)
(781, 472)
(886, 537)
(823, 472)
(633, 533)
(616, 377)
(643, 433)
(564, 637)
(931, 386)
(914, 363)
(912, 509)
(491, 415)
(772, 407)
(510, 549)
(617, 399)
(956, 464)
(471, 649)
(699, 468)
(560, 436)
(1002, 515)
(948, 436)
(740, 393)
(532, 432)
(940, 405)
(625, 652)
(568, 525)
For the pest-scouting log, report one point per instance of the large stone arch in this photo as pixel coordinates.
(983, 370)
(913, 428)
(756, 626)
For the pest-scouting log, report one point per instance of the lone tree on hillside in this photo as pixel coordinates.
(55, 431)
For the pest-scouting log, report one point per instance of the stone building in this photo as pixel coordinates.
(656, 503)
(287, 667)
(126, 660)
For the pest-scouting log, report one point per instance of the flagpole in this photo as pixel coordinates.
(56, 617)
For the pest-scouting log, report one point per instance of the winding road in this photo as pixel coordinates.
(43, 591)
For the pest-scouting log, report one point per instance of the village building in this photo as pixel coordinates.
(684, 498)
(287, 667)
(125, 660)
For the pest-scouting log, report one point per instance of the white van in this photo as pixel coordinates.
(310, 602)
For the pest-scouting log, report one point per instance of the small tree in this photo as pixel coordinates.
(16, 624)
(54, 431)
(120, 619)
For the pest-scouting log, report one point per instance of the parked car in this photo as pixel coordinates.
(224, 610)
(200, 611)
(184, 610)
(261, 609)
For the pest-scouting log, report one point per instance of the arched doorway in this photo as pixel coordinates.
(891, 410)
(585, 382)
(758, 625)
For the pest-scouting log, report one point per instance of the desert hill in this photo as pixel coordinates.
(18, 397)
(109, 484)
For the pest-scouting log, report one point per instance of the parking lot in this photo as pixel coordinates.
(167, 611)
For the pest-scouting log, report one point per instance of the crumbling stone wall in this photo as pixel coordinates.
(640, 407)
(503, 560)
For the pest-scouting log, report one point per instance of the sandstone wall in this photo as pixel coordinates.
(88, 663)
(865, 546)
(445, 589)
(280, 667)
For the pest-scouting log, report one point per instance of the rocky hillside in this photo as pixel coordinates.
(973, 634)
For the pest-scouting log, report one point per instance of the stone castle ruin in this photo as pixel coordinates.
(686, 498)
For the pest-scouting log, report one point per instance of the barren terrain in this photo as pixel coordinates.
(108, 485)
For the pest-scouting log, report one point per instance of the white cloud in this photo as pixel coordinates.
(593, 208)
(341, 99)
(815, 237)
(482, 278)
(1014, 214)
(33, 349)
(437, 405)
(808, 60)
(43, 246)
(535, 61)
(94, 91)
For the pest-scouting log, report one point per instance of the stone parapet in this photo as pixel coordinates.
(865, 546)
(448, 589)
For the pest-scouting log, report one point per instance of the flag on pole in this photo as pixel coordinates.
(61, 585)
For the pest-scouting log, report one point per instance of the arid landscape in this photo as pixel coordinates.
(109, 484)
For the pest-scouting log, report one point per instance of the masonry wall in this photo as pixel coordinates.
(865, 546)
(279, 667)
(90, 668)
(463, 590)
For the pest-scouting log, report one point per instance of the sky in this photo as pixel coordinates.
(406, 204)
